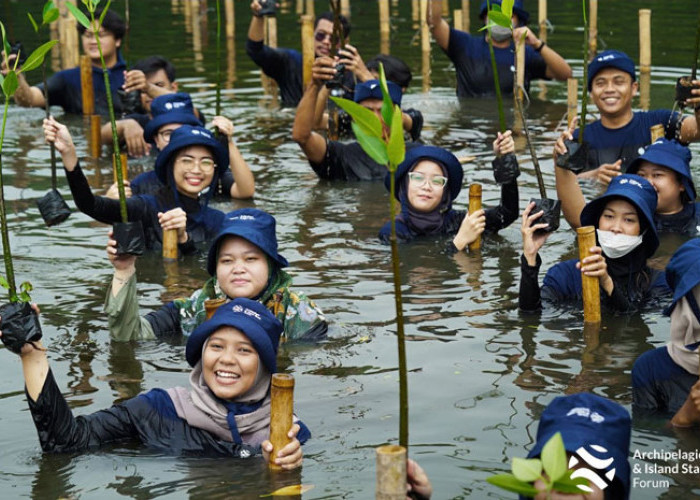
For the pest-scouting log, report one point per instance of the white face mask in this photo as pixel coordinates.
(616, 245)
(500, 34)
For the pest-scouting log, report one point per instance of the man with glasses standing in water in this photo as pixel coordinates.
(285, 66)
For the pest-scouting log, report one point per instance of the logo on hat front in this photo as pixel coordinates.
(168, 105)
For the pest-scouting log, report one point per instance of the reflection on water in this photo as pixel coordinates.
(480, 372)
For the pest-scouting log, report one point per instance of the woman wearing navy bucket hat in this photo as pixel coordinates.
(243, 261)
(187, 167)
(224, 412)
(430, 179)
(624, 219)
(665, 379)
(666, 164)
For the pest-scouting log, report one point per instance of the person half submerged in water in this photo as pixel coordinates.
(243, 262)
(430, 179)
(187, 167)
(212, 417)
(626, 235)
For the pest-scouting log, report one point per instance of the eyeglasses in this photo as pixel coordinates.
(206, 165)
(322, 35)
(437, 181)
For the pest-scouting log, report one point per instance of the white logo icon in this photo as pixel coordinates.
(595, 464)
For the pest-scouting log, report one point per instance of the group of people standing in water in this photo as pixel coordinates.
(225, 411)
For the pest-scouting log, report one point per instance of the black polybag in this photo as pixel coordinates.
(505, 168)
(551, 215)
(130, 238)
(53, 208)
(20, 325)
(575, 158)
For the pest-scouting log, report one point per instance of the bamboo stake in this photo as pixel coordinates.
(55, 31)
(384, 26)
(188, 16)
(592, 28)
(95, 142)
(474, 205)
(644, 40)
(644, 91)
(281, 413)
(307, 46)
(125, 169)
(197, 38)
(591, 285)
(519, 69)
(271, 36)
(391, 472)
(170, 244)
(657, 132)
(345, 8)
(458, 21)
(310, 11)
(86, 86)
(68, 36)
(465, 16)
(425, 44)
(230, 19)
(542, 19)
(300, 7)
(445, 8)
(571, 100)
(211, 305)
(415, 12)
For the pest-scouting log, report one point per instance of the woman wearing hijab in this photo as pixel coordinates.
(187, 167)
(430, 179)
(224, 412)
(626, 235)
(665, 380)
(243, 261)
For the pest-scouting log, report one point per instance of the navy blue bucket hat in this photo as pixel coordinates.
(610, 59)
(250, 317)
(455, 174)
(253, 225)
(672, 155)
(591, 426)
(170, 108)
(184, 137)
(372, 89)
(518, 10)
(640, 193)
(683, 272)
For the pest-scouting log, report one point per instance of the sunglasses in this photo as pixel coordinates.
(437, 181)
(321, 36)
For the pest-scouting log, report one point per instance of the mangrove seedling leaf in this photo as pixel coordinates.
(396, 149)
(2, 80)
(48, 6)
(78, 15)
(554, 457)
(5, 41)
(510, 483)
(500, 19)
(363, 116)
(24, 297)
(373, 146)
(34, 25)
(4, 283)
(104, 11)
(507, 7)
(26, 287)
(50, 15)
(526, 469)
(568, 485)
(387, 104)
(10, 84)
(296, 489)
(37, 57)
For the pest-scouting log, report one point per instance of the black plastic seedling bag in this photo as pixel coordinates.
(20, 325)
(129, 237)
(53, 208)
(575, 158)
(505, 168)
(684, 88)
(551, 215)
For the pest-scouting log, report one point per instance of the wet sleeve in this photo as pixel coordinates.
(227, 182)
(535, 64)
(416, 123)
(617, 301)
(506, 212)
(56, 90)
(165, 322)
(123, 318)
(529, 295)
(60, 432)
(645, 394)
(332, 166)
(272, 61)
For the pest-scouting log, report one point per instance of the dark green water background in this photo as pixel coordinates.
(480, 372)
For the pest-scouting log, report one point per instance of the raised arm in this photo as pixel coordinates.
(557, 67)
(438, 26)
(568, 190)
(25, 95)
(244, 181)
(256, 30)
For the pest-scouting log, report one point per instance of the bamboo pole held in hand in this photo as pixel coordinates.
(86, 88)
(542, 19)
(170, 244)
(391, 472)
(384, 26)
(281, 413)
(571, 100)
(644, 41)
(307, 45)
(592, 28)
(465, 16)
(474, 205)
(591, 286)
(95, 141)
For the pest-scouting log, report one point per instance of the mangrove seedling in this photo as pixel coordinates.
(129, 235)
(382, 140)
(576, 156)
(19, 322)
(551, 469)
(52, 206)
(498, 15)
